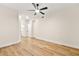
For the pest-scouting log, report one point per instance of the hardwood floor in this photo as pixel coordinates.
(35, 47)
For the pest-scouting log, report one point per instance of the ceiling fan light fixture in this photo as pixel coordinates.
(37, 11)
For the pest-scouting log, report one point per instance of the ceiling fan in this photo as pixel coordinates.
(37, 9)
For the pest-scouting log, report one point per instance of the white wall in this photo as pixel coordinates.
(9, 26)
(61, 27)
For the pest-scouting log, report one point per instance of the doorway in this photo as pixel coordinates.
(26, 26)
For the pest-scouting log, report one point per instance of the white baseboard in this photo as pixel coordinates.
(9, 44)
(72, 46)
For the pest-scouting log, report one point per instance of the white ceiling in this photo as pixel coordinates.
(23, 7)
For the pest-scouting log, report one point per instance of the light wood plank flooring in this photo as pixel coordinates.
(35, 47)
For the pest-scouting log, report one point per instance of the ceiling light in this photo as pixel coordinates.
(27, 17)
(20, 16)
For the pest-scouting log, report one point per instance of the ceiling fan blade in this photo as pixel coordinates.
(44, 8)
(37, 5)
(34, 13)
(42, 13)
(30, 10)
(34, 5)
